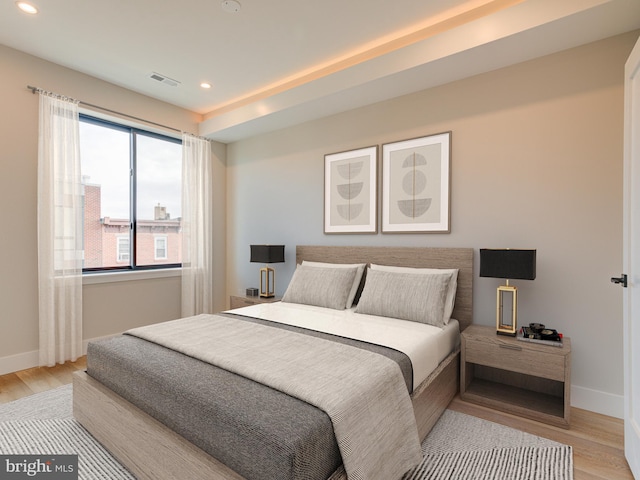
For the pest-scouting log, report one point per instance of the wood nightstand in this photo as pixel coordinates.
(239, 301)
(523, 378)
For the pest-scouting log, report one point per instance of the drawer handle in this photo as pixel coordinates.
(510, 347)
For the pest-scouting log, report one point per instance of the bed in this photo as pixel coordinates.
(151, 449)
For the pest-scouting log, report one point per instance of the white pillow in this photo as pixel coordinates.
(451, 291)
(356, 281)
(407, 296)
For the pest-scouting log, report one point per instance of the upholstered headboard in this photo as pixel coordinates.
(419, 257)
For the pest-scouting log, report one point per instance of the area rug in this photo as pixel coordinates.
(460, 447)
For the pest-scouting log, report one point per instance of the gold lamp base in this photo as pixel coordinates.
(506, 322)
(267, 282)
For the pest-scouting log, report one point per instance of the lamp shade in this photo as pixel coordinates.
(267, 253)
(508, 263)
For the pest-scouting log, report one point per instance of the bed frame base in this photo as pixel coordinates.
(434, 395)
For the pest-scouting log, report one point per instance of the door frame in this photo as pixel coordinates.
(631, 242)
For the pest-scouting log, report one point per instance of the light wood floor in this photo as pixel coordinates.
(35, 380)
(597, 440)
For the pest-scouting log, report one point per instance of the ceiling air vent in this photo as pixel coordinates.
(164, 79)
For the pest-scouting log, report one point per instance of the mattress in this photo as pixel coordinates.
(258, 432)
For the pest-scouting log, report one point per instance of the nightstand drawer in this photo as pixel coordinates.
(518, 358)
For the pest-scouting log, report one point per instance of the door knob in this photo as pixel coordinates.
(622, 280)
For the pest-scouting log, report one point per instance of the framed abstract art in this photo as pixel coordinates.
(416, 185)
(350, 191)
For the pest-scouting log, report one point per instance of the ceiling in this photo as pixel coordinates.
(281, 62)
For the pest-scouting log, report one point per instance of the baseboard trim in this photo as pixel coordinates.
(597, 401)
(22, 361)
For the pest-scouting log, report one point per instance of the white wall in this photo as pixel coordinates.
(109, 308)
(537, 163)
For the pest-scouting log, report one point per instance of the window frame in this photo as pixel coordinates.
(134, 132)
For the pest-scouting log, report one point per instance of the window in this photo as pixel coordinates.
(132, 182)
(123, 249)
(160, 248)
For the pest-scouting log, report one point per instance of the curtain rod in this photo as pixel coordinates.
(35, 90)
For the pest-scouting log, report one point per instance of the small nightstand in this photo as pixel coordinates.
(523, 378)
(238, 301)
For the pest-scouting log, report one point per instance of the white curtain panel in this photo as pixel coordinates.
(59, 231)
(197, 227)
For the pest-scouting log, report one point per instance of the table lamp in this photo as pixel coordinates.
(267, 254)
(509, 264)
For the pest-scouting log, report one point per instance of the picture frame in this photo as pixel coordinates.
(351, 191)
(416, 185)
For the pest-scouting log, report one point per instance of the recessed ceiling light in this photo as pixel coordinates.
(27, 7)
(205, 85)
(231, 6)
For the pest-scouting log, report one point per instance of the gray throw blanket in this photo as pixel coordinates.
(363, 393)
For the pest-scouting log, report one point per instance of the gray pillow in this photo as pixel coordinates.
(449, 302)
(356, 281)
(322, 287)
(407, 296)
